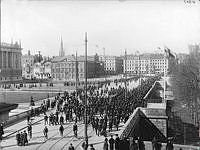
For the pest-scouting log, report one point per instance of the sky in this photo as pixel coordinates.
(114, 25)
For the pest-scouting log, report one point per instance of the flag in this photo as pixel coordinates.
(168, 53)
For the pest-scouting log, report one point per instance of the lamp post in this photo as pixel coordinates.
(76, 83)
(125, 68)
(85, 133)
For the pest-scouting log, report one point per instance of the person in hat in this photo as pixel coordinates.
(105, 145)
(71, 147)
(169, 145)
(18, 138)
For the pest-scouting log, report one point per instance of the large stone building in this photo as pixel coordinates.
(27, 65)
(112, 64)
(10, 62)
(147, 64)
(64, 68)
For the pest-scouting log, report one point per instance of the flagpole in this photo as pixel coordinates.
(125, 75)
(165, 67)
(76, 77)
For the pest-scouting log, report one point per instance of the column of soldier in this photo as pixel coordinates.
(106, 108)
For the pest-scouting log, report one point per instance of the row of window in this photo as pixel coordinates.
(67, 70)
(67, 65)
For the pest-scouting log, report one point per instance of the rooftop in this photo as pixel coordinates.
(8, 45)
(7, 107)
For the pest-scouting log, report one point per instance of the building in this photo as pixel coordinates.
(64, 68)
(147, 64)
(47, 69)
(194, 50)
(42, 70)
(182, 58)
(27, 65)
(112, 64)
(10, 62)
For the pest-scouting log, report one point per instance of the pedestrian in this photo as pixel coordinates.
(45, 131)
(105, 145)
(134, 145)
(61, 119)
(110, 125)
(22, 139)
(30, 131)
(28, 119)
(141, 145)
(75, 129)
(71, 147)
(91, 147)
(111, 142)
(169, 145)
(84, 145)
(117, 142)
(25, 142)
(1, 131)
(18, 138)
(61, 129)
(154, 143)
(45, 119)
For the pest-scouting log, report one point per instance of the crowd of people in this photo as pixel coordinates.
(22, 138)
(106, 108)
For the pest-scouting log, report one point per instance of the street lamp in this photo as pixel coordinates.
(86, 137)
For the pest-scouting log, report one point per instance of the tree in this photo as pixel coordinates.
(185, 85)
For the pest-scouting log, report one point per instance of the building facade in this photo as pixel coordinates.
(194, 50)
(10, 62)
(68, 68)
(112, 64)
(27, 65)
(146, 64)
(42, 70)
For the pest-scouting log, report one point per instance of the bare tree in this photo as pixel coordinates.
(185, 85)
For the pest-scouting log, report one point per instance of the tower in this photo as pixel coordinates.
(61, 52)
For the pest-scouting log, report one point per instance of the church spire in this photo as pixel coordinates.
(61, 52)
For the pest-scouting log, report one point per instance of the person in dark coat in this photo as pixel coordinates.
(25, 142)
(75, 129)
(71, 147)
(141, 145)
(1, 131)
(117, 143)
(30, 131)
(105, 145)
(61, 119)
(22, 139)
(111, 142)
(18, 138)
(45, 131)
(169, 145)
(154, 143)
(61, 129)
(45, 119)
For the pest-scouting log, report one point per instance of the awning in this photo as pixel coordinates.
(139, 125)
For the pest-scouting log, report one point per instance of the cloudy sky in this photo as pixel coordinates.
(135, 25)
